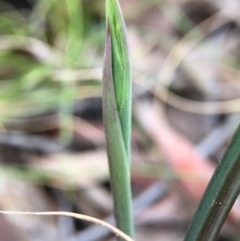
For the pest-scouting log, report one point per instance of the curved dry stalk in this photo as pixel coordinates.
(38, 48)
(193, 106)
(181, 103)
(176, 56)
(116, 231)
(180, 50)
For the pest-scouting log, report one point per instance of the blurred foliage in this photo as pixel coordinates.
(41, 45)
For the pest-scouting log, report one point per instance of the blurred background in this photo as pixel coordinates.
(186, 102)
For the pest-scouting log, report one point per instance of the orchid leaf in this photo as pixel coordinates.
(121, 68)
(117, 115)
(219, 196)
(118, 164)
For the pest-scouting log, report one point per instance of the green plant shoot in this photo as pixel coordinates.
(117, 115)
(121, 68)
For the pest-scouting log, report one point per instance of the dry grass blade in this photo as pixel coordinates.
(75, 215)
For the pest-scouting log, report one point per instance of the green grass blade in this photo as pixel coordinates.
(67, 26)
(74, 31)
(219, 196)
(118, 160)
(121, 69)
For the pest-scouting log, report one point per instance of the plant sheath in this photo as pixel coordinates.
(121, 67)
(117, 115)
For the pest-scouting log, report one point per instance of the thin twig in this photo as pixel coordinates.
(154, 193)
(78, 216)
